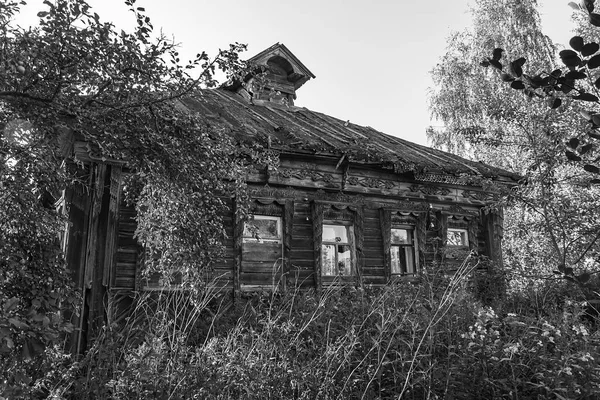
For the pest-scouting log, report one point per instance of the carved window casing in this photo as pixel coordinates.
(262, 245)
(338, 242)
(338, 254)
(403, 255)
(403, 241)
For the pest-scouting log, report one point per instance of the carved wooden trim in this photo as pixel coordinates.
(269, 192)
(338, 197)
(457, 210)
(267, 207)
(440, 178)
(430, 190)
(339, 212)
(371, 183)
(477, 195)
(306, 172)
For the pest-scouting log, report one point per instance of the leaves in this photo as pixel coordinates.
(572, 156)
(588, 5)
(517, 84)
(594, 62)
(589, 49)
(576, 43)
(573, 143)
(554, 102)
(497, 54)
(516, 67)
(595, 19)
(584, 96)
(586, 148)
(570, 58)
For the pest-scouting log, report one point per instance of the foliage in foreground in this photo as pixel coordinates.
(552, 224)
(74, 76)
(432, 340)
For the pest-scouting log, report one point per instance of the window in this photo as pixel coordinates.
(262, 253)
(457, 237)
(262, 229)
(402, 250)
(337, 250)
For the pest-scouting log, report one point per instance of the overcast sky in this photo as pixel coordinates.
(371, 58)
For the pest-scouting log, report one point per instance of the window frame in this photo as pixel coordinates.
(351, 243)
(413, 246)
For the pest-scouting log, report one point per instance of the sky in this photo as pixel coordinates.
(371, 58)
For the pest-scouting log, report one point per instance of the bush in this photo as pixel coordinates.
(430, 339)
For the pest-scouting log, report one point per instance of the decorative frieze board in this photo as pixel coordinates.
(373, 183)
(337, 197)
(441, 178)
(275, 193)
(305, 173)
(430, 190)
(308, 172)
(479, 196)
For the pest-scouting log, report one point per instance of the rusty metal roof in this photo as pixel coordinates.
(302, 131)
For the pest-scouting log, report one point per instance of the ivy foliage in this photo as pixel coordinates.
(73, 75)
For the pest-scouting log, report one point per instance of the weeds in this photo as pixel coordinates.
(425, 340)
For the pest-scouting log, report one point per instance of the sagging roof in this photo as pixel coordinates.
(298, 130)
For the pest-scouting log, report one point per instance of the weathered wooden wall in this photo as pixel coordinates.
(302, 195)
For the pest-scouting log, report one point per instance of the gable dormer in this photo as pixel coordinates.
(282, 74)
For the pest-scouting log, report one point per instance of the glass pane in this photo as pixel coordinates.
(335, 233)
(403, 259)
(395, 253)
(344, 260)
(262, 228)
(328, 258)
(409, 260)
(457, 237)
(401, 236)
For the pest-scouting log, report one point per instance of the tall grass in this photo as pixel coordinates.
(427, 340)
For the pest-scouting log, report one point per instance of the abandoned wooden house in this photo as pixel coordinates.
(348, 204)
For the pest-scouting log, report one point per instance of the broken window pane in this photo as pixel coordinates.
(457, 237)
(335, 233)
(263, 228)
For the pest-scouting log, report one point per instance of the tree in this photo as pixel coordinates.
(74, 74)
(552, 222)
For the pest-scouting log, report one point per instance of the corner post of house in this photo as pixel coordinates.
(238, 231)
(493, 223)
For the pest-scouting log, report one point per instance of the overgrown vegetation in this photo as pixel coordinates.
(74, 76)
(434, 339)
(552, 222)
(454, 335)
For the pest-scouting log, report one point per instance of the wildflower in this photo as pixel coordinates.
(511, 349)
(580, 329)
